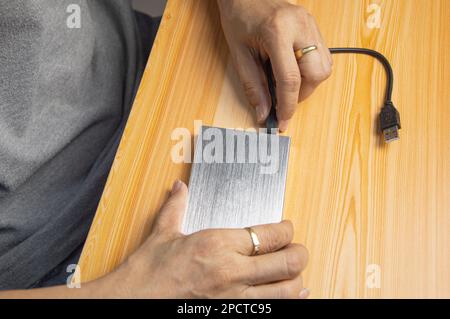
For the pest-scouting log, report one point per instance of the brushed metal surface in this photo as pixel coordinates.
(239, 193)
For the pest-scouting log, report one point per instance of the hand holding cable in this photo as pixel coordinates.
(262, 30)
(281, 58)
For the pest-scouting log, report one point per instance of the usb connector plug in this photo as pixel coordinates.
(390, 122)
(389, 117)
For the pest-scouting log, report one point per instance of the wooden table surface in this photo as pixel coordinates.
(375, 217)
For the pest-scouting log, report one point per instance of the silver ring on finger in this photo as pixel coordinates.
(255, 241)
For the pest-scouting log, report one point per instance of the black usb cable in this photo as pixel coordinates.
(389, 116)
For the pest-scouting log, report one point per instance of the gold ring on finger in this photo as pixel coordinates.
(301, 52)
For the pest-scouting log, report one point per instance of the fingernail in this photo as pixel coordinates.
(176, 186)
(283, 125)
(260, 113)
(304, 293)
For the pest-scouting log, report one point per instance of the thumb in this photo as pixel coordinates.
(170, 216)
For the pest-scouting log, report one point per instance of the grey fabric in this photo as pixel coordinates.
(64, 98)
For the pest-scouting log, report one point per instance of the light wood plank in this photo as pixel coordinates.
(354, 201)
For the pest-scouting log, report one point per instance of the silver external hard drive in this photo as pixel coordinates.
(237, 180)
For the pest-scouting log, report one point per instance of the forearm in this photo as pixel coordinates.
(88, 290)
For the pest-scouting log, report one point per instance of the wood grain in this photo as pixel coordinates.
(354, 201)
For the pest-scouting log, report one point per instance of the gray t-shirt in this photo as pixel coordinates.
(64, 98)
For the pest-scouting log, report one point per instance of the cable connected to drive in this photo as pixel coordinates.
(389, 116)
